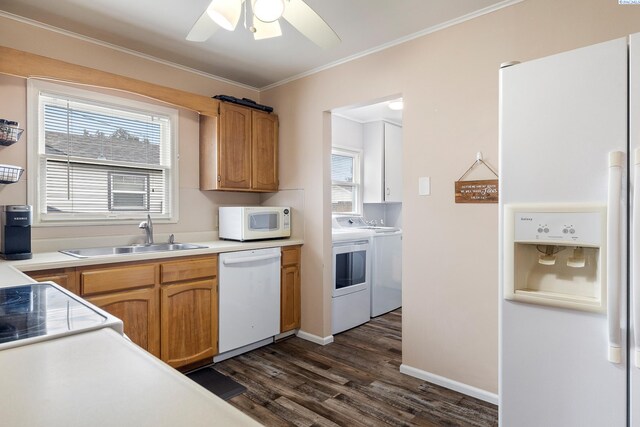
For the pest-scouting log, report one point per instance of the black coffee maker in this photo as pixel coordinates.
(15, 232)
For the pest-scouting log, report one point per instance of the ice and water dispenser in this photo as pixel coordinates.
(555, 255)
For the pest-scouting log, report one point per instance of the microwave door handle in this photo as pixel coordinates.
(249, 259)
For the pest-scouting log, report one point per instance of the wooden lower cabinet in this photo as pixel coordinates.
(189, 322)
(290, 289)
(65, 277)
(168, 307)
(138, 310)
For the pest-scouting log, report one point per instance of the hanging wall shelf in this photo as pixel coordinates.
(10, 174)
(10, 133)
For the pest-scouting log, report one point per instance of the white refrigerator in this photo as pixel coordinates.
(569, 135)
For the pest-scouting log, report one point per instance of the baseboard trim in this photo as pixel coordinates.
(284, 335)
(450, 384)
(314, 338)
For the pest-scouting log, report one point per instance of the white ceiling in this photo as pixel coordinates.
(158, 28)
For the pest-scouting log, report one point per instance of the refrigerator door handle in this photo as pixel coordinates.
(635, 262)
(614, 265)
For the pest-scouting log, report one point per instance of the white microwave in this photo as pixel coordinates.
(254, 222)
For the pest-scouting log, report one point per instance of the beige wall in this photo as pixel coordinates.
(449, 81)
(197, 210)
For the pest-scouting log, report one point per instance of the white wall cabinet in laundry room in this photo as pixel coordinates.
(382, 162)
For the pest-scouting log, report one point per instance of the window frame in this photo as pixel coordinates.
(104, 98)
(356, 155)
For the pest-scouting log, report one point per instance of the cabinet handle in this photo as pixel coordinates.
(388, 191)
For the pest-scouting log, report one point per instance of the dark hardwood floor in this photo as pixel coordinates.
(354, 381)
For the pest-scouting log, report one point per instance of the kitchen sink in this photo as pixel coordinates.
(131, 249)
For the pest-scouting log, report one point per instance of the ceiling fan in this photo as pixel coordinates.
(264, 20)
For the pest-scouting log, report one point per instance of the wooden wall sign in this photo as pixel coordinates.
(484, 191)
(479, 191)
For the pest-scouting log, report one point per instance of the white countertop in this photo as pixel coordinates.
(100, 379)
(48, 260)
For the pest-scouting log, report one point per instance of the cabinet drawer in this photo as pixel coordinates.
(117, 278)
(175, 271)
(291, 255)
(63, 277)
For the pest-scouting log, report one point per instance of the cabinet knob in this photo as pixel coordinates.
(388, 191)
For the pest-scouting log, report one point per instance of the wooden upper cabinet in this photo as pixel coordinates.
(264, 147)
(234, 147)
(239, 150)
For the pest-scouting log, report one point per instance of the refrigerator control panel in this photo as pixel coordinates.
(574, 228)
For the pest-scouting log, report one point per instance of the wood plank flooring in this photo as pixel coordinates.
(354, 381)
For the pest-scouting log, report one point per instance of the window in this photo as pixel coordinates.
(345, 181)
(128, 191)
(100, 158)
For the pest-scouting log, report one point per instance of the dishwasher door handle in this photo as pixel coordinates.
(249, 259)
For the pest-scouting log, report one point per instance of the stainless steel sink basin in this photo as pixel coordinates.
(132, 249)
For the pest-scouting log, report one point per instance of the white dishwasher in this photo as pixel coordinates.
(249, 294)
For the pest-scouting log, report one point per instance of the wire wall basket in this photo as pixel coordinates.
(9, 134)
(10, 174)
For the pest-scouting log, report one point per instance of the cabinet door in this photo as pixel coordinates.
(265, 151)
(290, 289)
(209, 152)
(373, 163)
(392, 163)
(189, 327)
(67, 278)
(290, 298)
(234, 147)
(138, 311)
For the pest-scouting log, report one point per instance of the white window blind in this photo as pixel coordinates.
(345, 182)
(102, 160)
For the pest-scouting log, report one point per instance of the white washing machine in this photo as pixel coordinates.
(386, 270)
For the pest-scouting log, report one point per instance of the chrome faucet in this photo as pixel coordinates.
(147, 226)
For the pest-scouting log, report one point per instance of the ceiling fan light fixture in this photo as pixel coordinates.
(225, 13)
(396, 105)
(263, 30)
(268, 10)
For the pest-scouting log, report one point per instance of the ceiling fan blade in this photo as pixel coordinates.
(202, 29)
(309, 23)
(264, 30)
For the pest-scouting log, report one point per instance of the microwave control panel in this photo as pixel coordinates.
(286, 222)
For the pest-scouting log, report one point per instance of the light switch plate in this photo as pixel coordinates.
(424, 186)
